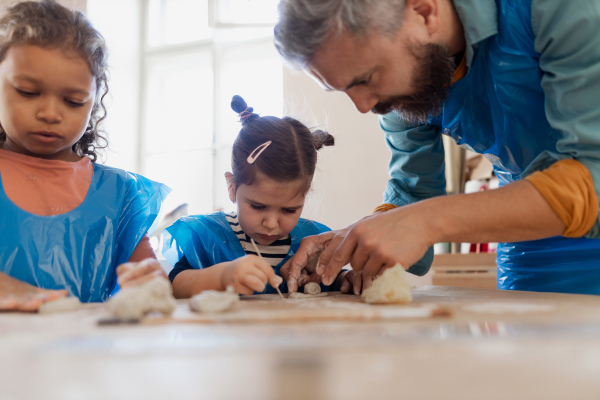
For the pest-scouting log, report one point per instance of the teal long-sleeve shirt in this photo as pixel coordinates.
(521, 121)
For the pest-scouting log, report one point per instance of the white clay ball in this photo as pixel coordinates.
(213, 301)
(390, 287)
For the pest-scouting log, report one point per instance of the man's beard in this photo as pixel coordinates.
(432, 80)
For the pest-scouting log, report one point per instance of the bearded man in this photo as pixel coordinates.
(515, 80)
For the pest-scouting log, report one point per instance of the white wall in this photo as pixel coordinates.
(351, 176)
(122, 122)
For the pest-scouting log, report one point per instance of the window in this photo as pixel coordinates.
(194, 55)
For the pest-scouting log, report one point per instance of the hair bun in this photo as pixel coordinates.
(239, 105)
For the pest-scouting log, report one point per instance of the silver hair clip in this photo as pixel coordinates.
(257, 152)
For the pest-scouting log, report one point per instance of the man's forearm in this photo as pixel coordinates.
(515, 212)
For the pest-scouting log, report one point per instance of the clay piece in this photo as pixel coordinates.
(214, 301)
(298, 296)
(134, 302)
(64, 304)
(312, 288)
(389, 288)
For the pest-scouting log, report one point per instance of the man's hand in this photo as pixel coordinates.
(137, 273)
(351, 282)
(16, 295)
(375, 243)
(301, 267)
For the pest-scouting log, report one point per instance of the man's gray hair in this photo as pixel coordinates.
(305, 24)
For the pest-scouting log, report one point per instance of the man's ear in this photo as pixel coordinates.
(428, 12)
(230, 186)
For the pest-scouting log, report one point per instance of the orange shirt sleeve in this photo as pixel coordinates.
(461, 70)
(385, 207)
(568, 187)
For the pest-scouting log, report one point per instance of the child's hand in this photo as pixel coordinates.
(249, 274)
(136, 273)
(21, 296)
(351, 280)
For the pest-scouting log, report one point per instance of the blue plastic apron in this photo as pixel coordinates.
(206, 240)
(80, 250)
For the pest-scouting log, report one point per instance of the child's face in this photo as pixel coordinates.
(46, 98)
(268, 210)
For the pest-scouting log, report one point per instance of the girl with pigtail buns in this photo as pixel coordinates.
(273, 162)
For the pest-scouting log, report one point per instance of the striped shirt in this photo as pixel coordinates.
(273, 253)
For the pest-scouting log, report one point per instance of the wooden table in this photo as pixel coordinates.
(495, 345)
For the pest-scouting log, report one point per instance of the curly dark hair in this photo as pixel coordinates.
(51, 25)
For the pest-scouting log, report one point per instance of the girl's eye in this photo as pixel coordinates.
(26, 93)
(73, 103)
(289, 210)
(255, 207)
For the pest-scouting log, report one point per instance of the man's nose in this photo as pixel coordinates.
(363, 99)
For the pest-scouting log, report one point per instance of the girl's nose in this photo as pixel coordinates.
(270, 221)
(49, 110)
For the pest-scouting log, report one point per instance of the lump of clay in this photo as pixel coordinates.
(297, 295)
(213, 301)
(134, 302)
(312, 288)
(390, 287)
(63, 304)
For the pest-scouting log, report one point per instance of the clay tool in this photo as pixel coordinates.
(260, 255)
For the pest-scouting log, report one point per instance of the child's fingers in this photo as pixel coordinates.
(259, 272)
(242, 289)
(135, 273)
(253, 282)
(137, 268)
(268, 273)
(8, 303)
(31, 303)
(263, 266)
(276, 280)
(124, 268)
(143, 279)
(52, 295)
(146, 267)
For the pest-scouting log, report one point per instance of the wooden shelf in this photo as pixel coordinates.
(476, 270)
